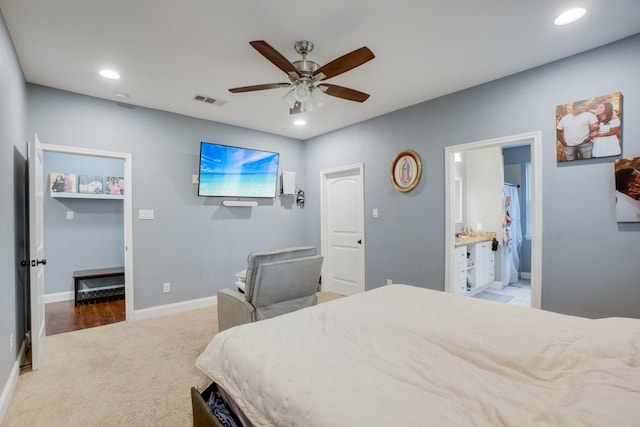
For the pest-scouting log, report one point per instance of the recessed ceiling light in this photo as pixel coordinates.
(299, 122)
(109, 74)
(570, 16)
(121, 95)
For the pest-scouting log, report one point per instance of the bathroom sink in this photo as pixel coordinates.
(473, 237)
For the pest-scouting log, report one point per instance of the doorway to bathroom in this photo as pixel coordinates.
(454, 193)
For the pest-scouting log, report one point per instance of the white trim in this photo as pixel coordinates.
(127, 210)
(58, 297)
(178, 307)
(535, 141)
(525, 275)
(10, 385)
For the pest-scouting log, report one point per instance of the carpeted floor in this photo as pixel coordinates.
(126, 374)
(133, 374)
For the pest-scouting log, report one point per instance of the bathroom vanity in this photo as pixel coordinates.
(475, 262)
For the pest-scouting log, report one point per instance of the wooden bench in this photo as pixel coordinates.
(98, 292)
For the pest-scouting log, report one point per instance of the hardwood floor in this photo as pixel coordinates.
(64, 317)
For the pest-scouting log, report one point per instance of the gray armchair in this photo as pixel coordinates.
(276, 282)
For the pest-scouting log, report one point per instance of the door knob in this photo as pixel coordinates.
(360, 241)
(40, 261)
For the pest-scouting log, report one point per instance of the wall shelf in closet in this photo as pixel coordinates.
(85, 196)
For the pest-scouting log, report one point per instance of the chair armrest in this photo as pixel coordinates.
(233, 309)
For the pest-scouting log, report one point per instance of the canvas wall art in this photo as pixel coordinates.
(627, 178)
(589, 128)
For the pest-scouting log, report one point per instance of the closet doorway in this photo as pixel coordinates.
(109, 207)
(452, 204)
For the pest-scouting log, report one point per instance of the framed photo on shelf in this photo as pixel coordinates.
(90, 184)
(62, 182)
(406, 169)
(114, 185)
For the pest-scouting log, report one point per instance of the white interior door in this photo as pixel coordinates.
(343, 230)
(36, 251)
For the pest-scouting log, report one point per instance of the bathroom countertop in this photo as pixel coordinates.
(475, 237)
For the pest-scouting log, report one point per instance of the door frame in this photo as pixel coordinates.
(325, 175)
(534, 139)
(127, 208)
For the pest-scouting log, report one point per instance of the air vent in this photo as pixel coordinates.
(209, 100)
(204, 99)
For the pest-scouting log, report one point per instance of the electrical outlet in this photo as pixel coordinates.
(389, 282)
(11, 343)
(166, 287)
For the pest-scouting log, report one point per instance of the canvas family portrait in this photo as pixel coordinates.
(627, 177)
(589, 128)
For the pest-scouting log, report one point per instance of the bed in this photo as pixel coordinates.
(404, 355)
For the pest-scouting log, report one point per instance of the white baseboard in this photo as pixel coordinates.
(162, 310)
(57, 297)
(525, 275)
(7, 391)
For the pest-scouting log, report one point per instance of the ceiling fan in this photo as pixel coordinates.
(307, 86)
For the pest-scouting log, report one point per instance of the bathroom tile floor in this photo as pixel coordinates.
(519, 291)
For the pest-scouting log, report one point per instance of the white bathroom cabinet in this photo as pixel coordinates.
(483, 259)
(460, 260)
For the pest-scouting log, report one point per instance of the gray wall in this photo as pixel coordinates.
(94, 238)
(194, 242)
(589, 266)
(12, 149)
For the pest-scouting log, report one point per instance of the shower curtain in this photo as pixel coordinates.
(511, 234)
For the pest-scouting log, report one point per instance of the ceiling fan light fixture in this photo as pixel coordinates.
(302, 92)
(319, 96)
(311, 104)
(289, 99)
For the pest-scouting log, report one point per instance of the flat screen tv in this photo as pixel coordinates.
(227, 171)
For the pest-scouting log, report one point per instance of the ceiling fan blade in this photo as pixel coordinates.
(344, 63)
(275, 57)
(297, 108)
(344, 92)
(259, 87)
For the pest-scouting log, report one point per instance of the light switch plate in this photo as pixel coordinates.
(145, 214)
(69, 214)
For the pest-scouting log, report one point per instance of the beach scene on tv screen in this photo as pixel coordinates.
(237, 172)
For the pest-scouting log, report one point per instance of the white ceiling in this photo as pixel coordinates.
(168, 51)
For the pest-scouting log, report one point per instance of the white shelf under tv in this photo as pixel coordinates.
(85, 196)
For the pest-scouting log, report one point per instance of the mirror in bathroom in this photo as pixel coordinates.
(458, 201)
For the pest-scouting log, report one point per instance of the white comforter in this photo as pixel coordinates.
(406, 356)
